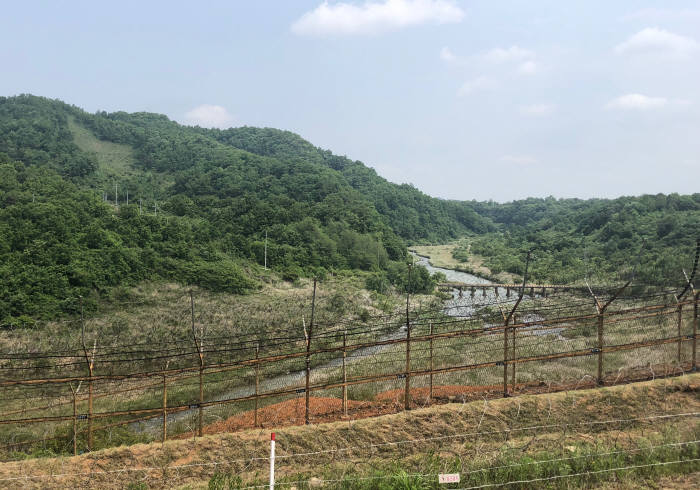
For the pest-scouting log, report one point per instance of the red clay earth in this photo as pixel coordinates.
(323, 409)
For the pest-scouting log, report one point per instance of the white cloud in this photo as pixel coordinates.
(527, 68)
(209, 116)
(537, 110)
(514, 53)
(653, 39)
(471, 86)
(447, 55)
(637, 102)
(371, 17)
(519, 159)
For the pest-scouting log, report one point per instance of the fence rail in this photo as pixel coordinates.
(553, 345)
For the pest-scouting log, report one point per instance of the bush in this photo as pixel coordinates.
(378, 282)
(460, 253)
(420, 279)
(292, 272)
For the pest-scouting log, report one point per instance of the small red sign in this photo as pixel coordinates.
(448, 478)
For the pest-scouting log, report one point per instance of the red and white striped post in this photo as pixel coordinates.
(272, 461)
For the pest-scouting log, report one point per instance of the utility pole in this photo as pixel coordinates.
(116, 197)
(265, 249)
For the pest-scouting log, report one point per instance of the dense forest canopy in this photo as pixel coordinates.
(202, 200)
(652, 235)
(198, 213)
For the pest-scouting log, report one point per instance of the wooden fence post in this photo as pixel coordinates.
(345, 374)
(308, 355)
(431, 364)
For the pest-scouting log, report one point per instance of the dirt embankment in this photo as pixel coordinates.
(439, 428)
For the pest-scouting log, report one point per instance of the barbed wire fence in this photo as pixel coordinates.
(551, 341)
(445, 352)
(558, 441)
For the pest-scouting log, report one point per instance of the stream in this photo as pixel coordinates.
(457, 307)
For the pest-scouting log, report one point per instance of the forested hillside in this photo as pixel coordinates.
(412, 214)
(654, 235)
(200, 202)
(572, 238)
(198, 212)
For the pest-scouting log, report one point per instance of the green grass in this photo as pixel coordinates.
(114, 159)
(559, 456)
(578, 467)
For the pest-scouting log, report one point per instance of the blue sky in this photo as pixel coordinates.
(463, 99)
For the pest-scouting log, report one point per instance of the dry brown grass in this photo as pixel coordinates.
(153, 463)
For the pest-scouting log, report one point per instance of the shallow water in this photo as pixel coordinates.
(457, 307)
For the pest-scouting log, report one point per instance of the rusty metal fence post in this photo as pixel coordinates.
(506, 322)
(430, 395)
(90, 362)
(257, 384)
(165, 409)
(75, 391)
(75, 427)
(695, 330)
(198, 346)
(505, 358)
(308, 356)
(680, 330)
(513, 357)
(345, 374)
(601, 323)
(600, 309)
(407, 388)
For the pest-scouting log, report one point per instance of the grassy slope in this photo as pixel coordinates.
(113, 158)
(116, 164)
(441, 256)
(678, 395)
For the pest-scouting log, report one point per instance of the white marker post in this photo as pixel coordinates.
(272, 461)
